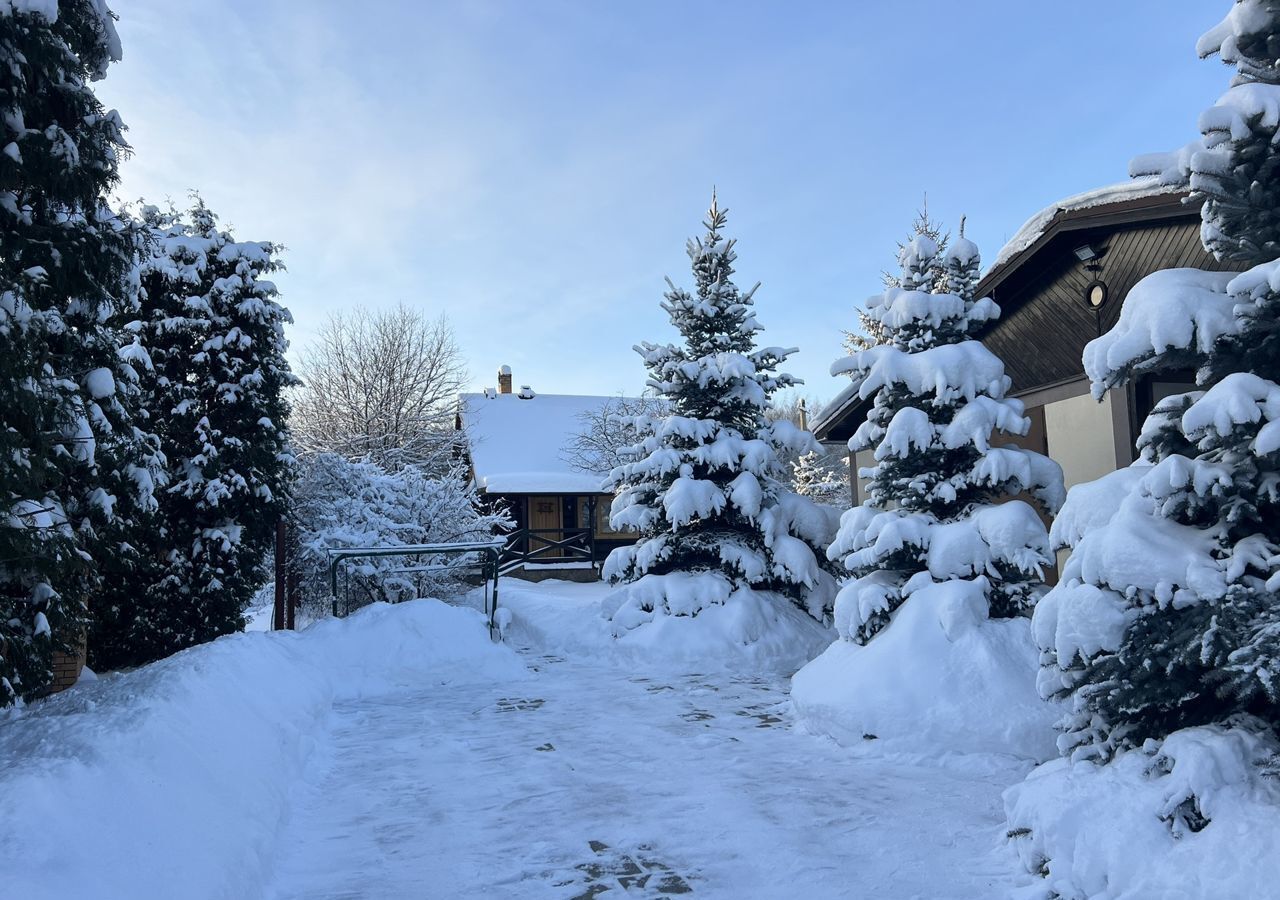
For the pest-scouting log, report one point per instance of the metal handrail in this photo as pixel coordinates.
(489, 568)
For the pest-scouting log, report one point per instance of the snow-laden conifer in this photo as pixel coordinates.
(940, 503)
(814, 475)
(870, 330)
(215, 334)
(74, 466)
(1169, 607)
(706, 490)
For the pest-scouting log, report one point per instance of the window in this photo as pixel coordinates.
(602, 518)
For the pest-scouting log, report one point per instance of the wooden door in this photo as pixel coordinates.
(544, 514)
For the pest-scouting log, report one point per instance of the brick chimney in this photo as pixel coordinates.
(504, 379)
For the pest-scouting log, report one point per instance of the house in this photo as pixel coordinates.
(517, 444)
(1060, 283)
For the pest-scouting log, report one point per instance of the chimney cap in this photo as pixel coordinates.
(504, 370)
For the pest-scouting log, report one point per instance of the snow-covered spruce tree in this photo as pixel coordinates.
(1168, 613)
(939, 406)
(706, 490)
(871, 331)
(73, 465)
(1238, 173)
(215, 334)
(814, 476)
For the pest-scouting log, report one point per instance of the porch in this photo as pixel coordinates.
(564, 536)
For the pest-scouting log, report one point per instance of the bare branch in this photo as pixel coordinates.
(382, 385)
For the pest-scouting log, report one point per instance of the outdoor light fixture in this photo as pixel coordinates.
(1095, 294)
(1085, 253)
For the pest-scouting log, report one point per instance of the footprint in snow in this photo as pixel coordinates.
(638, 874)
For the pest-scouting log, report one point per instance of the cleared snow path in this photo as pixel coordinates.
(590, 779)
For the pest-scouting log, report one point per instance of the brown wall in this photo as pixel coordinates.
(1045, 323)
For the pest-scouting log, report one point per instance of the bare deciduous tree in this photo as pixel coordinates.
(381, 384)
(607, 432)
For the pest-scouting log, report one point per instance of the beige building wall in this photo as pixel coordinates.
(863, 459)
(1080, 435)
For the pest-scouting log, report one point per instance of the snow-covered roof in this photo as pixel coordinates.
(828, 415)
(1035, 227)
(518, 445)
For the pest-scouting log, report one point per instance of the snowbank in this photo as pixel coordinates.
(940, 678)
(746, 631)
(1137, 828)
(173, 780)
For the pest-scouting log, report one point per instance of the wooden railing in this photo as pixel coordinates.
(548, 546)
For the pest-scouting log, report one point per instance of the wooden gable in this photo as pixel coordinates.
(1045, 322)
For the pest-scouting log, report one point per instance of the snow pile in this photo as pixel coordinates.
(740, 631)
(198, 752)
(699, 616)
(1193, 816)
(940, 678)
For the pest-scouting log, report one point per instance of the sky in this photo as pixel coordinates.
(532, 168)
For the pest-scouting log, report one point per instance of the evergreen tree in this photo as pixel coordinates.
(813, 476)
(871, 332)
(1238, 172)
(74, 466)
(706, 490)
(934, 513)
(1176, 587)
(215, 334)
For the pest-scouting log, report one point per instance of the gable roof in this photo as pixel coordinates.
(518, 444)
(1137, 201)
(1130, 202)
(827, 424)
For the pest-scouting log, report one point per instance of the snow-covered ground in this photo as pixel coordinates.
(600, 773)
(400, 754)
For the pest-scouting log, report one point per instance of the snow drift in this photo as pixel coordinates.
(638, 625)
(1192, 816)
(173, 780)
(940, 678)
(758, 630)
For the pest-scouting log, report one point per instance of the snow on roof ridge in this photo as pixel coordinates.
(539, 396)
(1032, 230)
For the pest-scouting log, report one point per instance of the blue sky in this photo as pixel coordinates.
(532, 168)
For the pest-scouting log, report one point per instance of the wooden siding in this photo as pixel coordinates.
(1045, 323)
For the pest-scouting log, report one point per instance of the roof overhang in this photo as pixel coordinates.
(1172, 204)
(830, 423)
(1086, 212)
